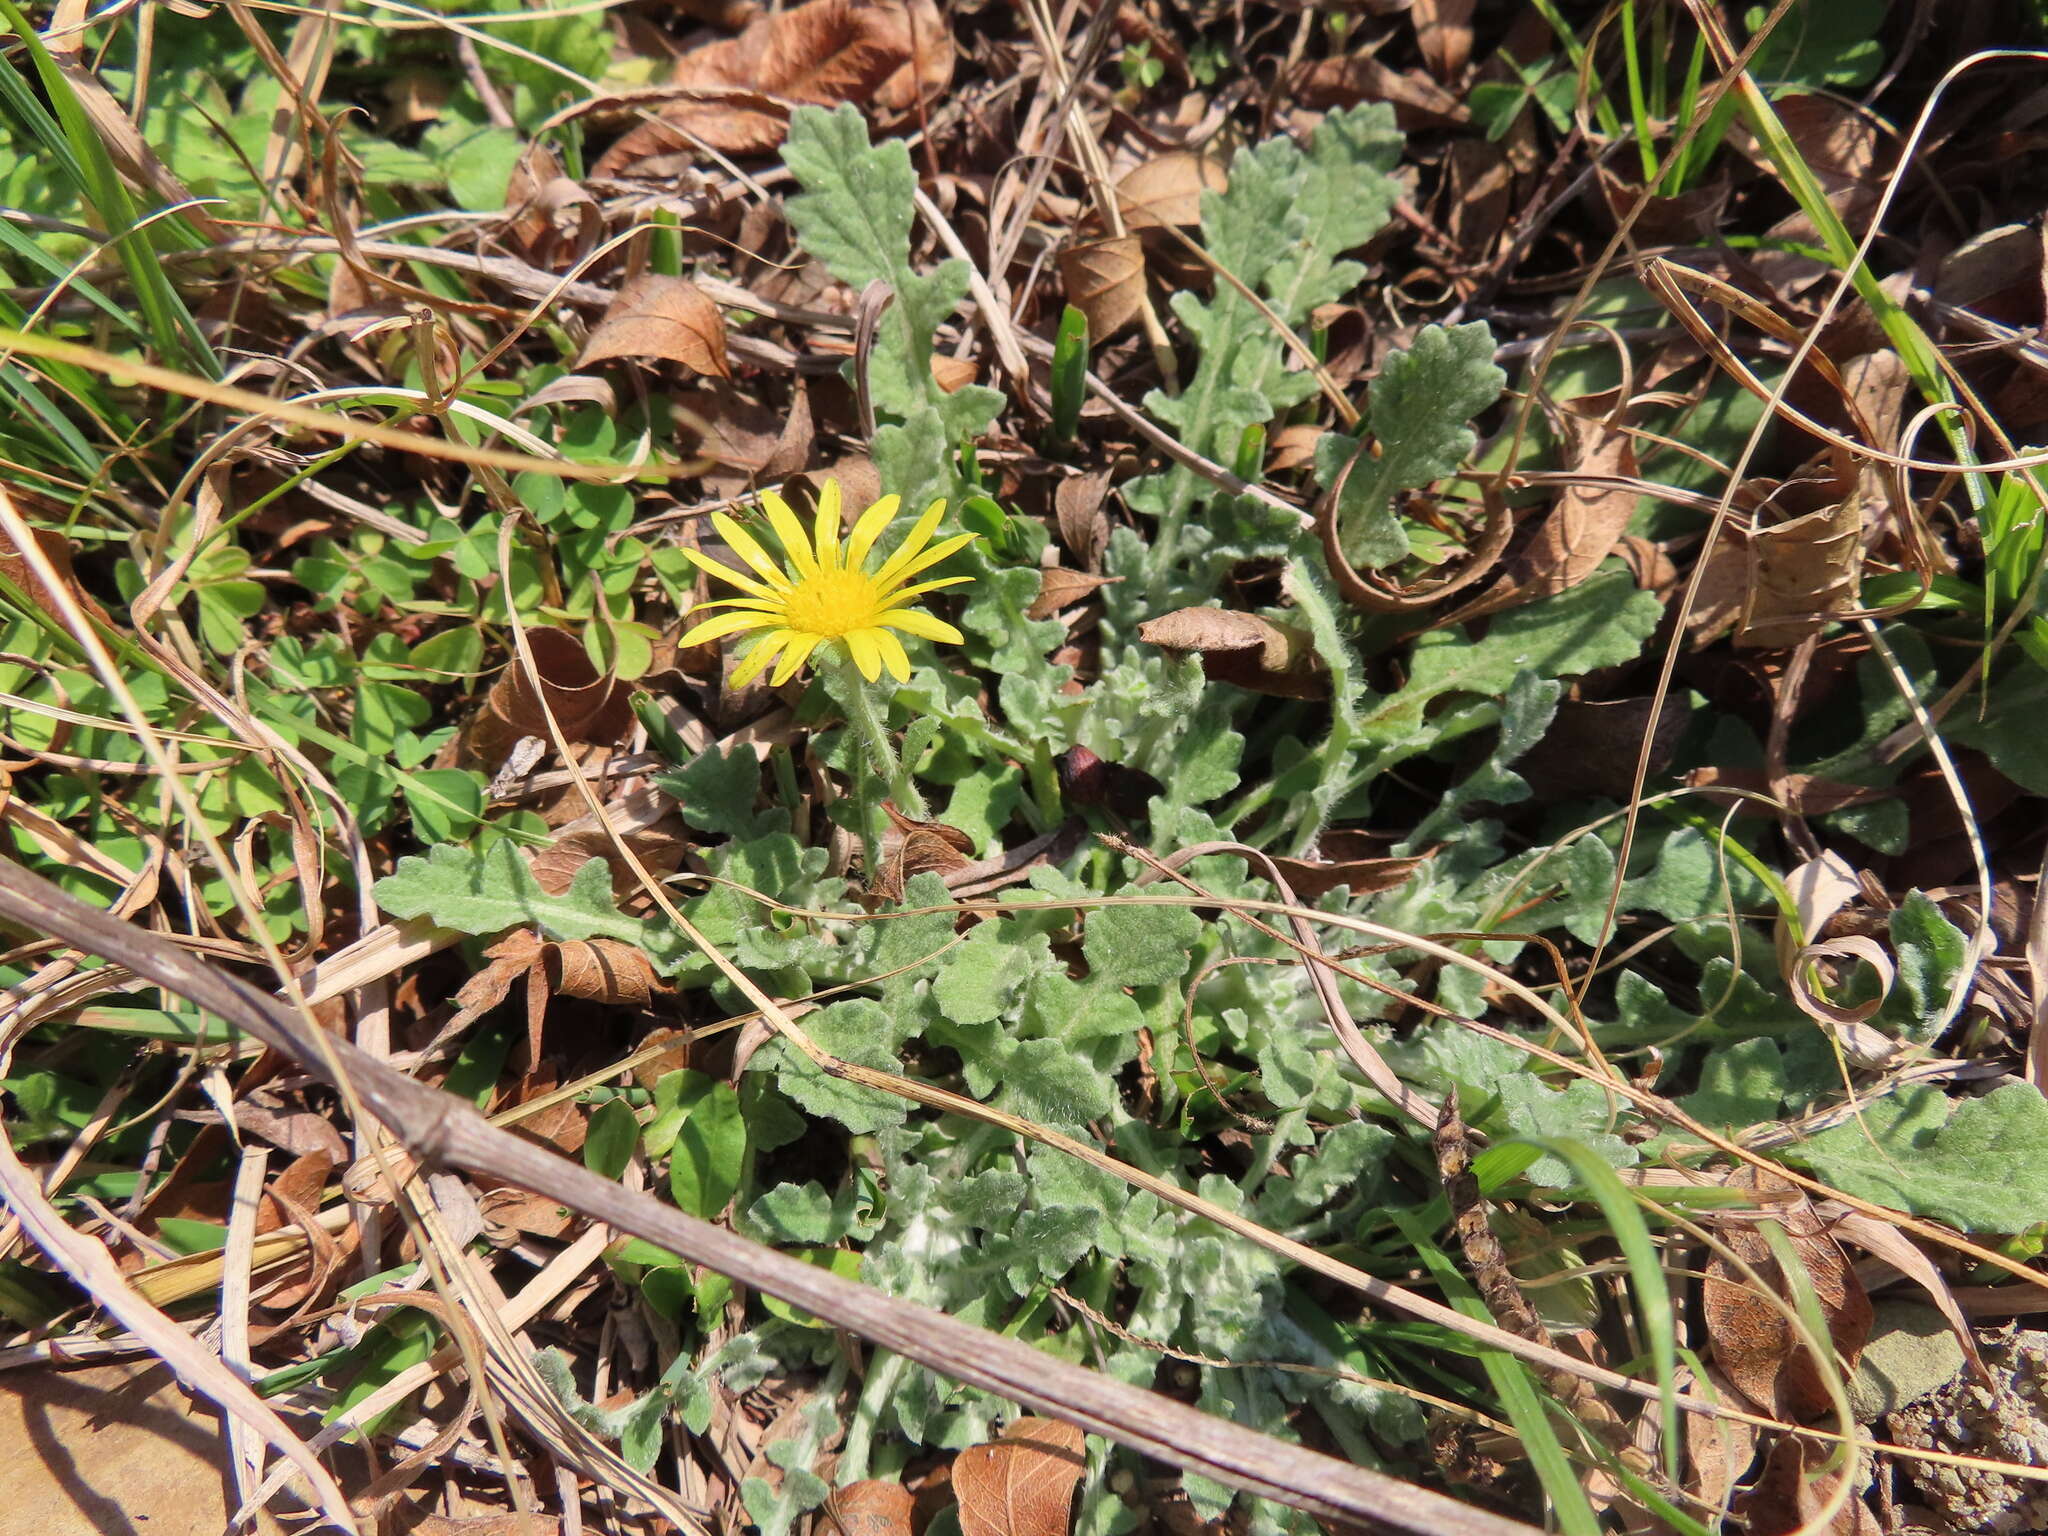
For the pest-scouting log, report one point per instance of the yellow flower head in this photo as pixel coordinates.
(825, 593)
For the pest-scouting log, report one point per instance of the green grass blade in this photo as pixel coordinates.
(1515, 1385)
(1646, 1275)
(169, 323)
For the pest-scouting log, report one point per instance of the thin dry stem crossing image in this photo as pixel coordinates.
(1076, 768)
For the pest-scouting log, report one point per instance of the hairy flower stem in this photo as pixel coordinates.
(867, 718)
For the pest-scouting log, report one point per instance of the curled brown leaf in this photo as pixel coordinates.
(1022, 1484)
(1105, 280)
(1060, 588)
(1754, 1343)
(1244, 649)
(587, 707)
(657, 316)
(882, 56)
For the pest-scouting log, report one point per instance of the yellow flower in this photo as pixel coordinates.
(824, 593)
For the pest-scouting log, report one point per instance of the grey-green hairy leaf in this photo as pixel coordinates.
(855, 215)
(1420, 411)
(1279, 226)
(1980, 1165)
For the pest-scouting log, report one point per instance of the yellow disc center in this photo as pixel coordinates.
(832, 603)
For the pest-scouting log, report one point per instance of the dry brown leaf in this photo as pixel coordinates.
(602, 971)
(1105, 280)
(1679, 220)
(1443, 35)
(1592, 747)
(300, 1132)
(586, 707)
(657, 316)
(1084, 526)
(1345, 81)
(822, 53)
(553, 221)
(1792, 1493)
(1244, 649)
(870, 1507)
(56, 549)
(1718, 1450)
(952, 373)
(1167, 190)
(414, 95)
(1293, 447)
(1802, 574)
(1754, 1344)
(505, 1523)
(1804, 794)
(911, 848)
(1838, 142)
(301, 1183)
(1312, 879)
(1060, 588)
(1582, 529)
(511, 958)
(132, 156)
(1718, 603)
(1087, 780)
(659, 848)
(1022, 1484)
(747, 439)
(726, 15)
(509, 1213)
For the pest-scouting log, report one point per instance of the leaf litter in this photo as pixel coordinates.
(1377, 554)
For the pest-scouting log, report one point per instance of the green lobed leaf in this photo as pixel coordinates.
(1279, 227)
(715, 791)
(1140, 946)
(855, 215)
(1420, 410)
(1930, 952)
(1980, 1166)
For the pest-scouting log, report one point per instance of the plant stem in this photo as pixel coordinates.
(1340, 769)
(867, 718)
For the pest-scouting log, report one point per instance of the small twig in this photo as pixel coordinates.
(1000, 328)
(487, 93)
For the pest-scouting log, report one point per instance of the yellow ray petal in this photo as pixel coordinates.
(758, 604)
(722, 572)
(868, 529)
(759, 655)
(826, 530)
(793, 657)
(904, 595)
(720, 625)
(920, 535)
(748, 548)
(860, 644)
(893, 655)
(943, 550)
(791, 533)
(915, 621)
